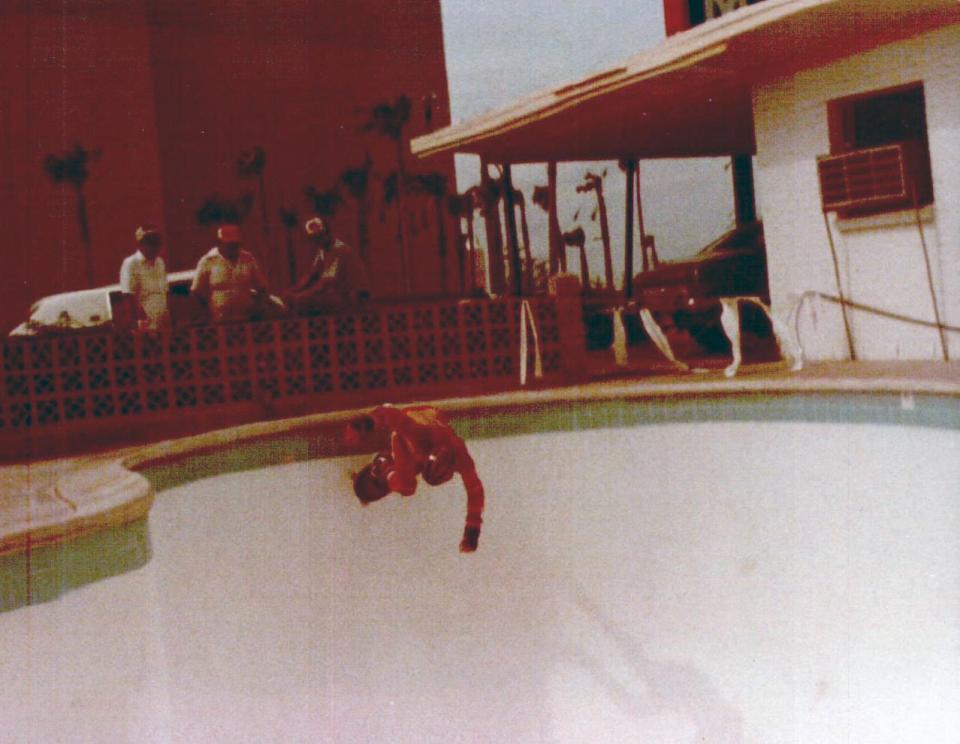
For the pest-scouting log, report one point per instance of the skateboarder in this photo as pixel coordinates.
(421, 442)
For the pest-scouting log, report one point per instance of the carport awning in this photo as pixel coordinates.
(690, 95)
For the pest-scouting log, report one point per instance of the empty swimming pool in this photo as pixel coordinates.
(746, 570)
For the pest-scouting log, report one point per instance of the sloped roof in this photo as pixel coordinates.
(691, 94)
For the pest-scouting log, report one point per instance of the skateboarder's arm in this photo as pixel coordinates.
(475, 500)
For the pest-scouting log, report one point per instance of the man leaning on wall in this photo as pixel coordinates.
(337, 279)
(229, 281)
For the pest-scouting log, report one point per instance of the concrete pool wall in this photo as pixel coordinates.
(652, 568)
(49, 501)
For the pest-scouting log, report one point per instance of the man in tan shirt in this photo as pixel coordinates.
(229, 279)
(337, 278)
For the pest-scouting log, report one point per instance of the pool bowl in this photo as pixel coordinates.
(749, 570)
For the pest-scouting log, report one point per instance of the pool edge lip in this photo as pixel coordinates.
(87, 500)
(109, 490)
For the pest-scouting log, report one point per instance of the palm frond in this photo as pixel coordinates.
(324, 203)
(251, 163)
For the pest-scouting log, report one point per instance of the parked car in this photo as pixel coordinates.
(104, 307)
(685, 294)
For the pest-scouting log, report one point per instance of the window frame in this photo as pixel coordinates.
(842, 126)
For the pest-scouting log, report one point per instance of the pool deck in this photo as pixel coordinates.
(47, 501)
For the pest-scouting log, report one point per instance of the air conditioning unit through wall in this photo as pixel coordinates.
(875, 179)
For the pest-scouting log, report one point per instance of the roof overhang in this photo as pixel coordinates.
(690, 95)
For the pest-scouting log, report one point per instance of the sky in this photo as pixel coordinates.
(499, 50)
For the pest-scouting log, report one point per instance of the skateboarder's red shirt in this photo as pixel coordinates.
(421, 442)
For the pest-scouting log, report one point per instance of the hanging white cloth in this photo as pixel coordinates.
(730, 320)
(526, 316)
(619, 338)
(659, 339)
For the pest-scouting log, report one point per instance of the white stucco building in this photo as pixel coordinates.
(880, 255)
(789, 81)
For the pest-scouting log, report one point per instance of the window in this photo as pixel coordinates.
(704, 10)
(679, 15)
(879, 158)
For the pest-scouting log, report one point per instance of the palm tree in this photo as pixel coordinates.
(357, 181)
(476, 201)
(541, 276)
(461, 207)
(521, 203)
(71, 168)
(251, 164)
(434, 185)
(577, 239)
(217, 210)
(290, 221)
(488, 194)
(389, 121)
(542, 198)
(593, 182)
(324, 203)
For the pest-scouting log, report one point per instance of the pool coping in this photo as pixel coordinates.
(45, 502)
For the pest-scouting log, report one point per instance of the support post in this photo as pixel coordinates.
(516, 269)
(646, 263)
(491, 220)
(565, 290)
(744, 201)
(628, 231)
(558, 253)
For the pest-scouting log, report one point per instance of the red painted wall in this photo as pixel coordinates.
(172, 92)
(676, 15)
(65, 82)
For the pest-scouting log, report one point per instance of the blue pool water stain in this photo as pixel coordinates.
(42, 574)
(925, 411)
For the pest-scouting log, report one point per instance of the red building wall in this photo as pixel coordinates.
(171, 93)
(676, 15)
(65, 82)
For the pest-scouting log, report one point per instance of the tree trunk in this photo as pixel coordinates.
(461, 257)
(263, 207)
(584, 267)
(269, 256)
(85, 235)
(558, 253)
(527, 253)
(471, 254)
(401, 219)
(516, 269)
(291, 258)
(441, 241)
(605, 237)
(363, 229)
(492, 224)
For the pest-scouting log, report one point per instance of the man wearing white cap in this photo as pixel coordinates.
(337, 278)
(229, 279)
(143, 281)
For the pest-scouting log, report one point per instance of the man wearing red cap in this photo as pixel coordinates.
(337, 278)
(143, 281)
(421, 443)
(229, 279)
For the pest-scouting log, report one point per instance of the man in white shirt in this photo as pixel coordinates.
(143, 281)
(229, 279)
